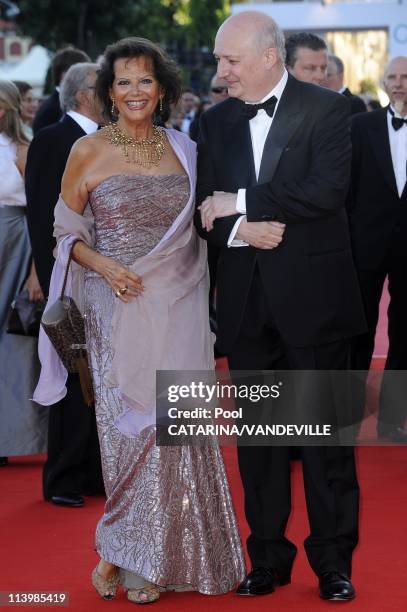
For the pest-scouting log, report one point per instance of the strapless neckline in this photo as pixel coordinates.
(132, 176)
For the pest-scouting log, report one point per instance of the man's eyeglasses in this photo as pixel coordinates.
(218, 90)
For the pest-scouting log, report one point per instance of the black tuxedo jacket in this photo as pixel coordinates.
(310, 278)
(48, 113)
(378, 216)
(356, 104)
(46, 160)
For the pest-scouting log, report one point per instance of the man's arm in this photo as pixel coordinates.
(324, 189)
(42, 183)
(262, 235)
(206, 185)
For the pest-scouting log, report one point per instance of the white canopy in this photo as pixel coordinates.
(32, 69)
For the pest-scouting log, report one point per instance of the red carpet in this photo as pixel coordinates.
(382, 342)
(46, 548)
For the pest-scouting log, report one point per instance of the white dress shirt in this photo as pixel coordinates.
(88, 125)
(259, 129)
(186, 122)
(12, 192)
(398, 148)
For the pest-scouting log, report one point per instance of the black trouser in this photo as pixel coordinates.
(331, 487)
(393, 405)
(73, 463)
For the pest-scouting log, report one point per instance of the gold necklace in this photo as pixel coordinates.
(146, 152)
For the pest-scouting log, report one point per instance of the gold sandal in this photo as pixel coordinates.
(106, 587)
(144, 595)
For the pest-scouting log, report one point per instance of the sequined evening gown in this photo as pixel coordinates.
(168, 516)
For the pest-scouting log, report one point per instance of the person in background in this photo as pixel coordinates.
(29, 106)
(50, 110)
(194, 127)
(372, 104)
(176, 118)
(378, 224)
(335, 81)
(188, 105)
(218, 90)
(73, 465)
(23, 425)
(307, 57)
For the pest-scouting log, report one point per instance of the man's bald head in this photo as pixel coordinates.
(260, 28)
(395, 83)
(249, 49)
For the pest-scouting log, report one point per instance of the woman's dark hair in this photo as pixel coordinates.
(164, 68)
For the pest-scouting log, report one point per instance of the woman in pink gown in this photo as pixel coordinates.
(168, 521)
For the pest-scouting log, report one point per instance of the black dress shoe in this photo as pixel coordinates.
(263, 580)
(336, 587)
(3, 461)
(395, 434)
(70, 499)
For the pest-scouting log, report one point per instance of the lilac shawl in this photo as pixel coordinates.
(166, 328)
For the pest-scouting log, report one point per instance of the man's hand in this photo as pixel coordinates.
(220, 204)
(261, 234)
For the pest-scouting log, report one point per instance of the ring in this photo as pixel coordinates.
(117, 293)
(124, 290)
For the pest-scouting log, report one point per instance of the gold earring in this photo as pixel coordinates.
(112, 110)
(161, 104)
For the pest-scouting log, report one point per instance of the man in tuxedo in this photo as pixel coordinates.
(188, 105)
(273, 174)
(378, 222)
(50, 110)
(307, 57)
(73, 464)
(335, 81)
(218, 92)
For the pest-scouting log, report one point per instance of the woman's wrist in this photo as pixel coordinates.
(100, 263)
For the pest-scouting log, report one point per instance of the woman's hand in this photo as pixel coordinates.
(125, 284)
(220, 204)
(32, 284)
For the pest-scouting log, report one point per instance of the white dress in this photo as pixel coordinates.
(23, 423)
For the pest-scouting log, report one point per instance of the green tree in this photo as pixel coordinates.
(184, 27)
(92, 24)
(204, 21)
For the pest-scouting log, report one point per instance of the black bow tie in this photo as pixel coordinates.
(397, 122)
(250, 110)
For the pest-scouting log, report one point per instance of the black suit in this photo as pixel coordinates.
(357, 105)
(378, 222)
(48, 113)
(291, 307)
(73, 464)
(46, 161)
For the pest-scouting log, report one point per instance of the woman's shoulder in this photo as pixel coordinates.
(86, 145)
